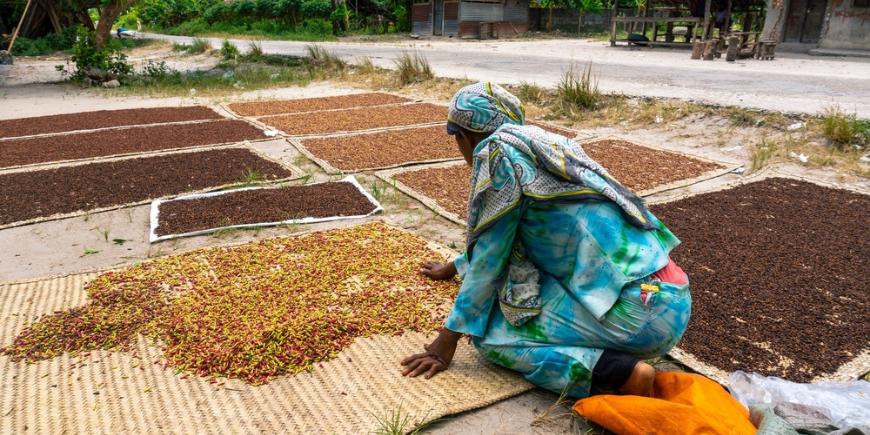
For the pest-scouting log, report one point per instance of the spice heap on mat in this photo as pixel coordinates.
(132, 140)
(357, 119)
(779, 276)
(386, 148)
(69, 189)
(263, 108)
(449, 186)
(641, 168)
(103, 119)
(256, 206)
(259, 310)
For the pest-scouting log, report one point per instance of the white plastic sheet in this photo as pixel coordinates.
(155, 212)
(849, 402)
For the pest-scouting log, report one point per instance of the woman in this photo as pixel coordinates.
(566, 276)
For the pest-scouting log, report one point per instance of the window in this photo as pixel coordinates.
(861, 4)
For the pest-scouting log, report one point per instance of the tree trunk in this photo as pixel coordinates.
(108, 16)
(334, 23)
(550, 18)
(579, 20)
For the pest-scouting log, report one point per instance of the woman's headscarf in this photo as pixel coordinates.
(484, 107)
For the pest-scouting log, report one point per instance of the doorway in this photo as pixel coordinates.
(805, 19)
(438, 15)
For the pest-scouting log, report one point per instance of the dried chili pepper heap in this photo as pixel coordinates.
(257, 311)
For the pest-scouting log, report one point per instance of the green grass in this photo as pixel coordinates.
(577, 90)
(309, 31)
(399, 422)
(762, 153)
(844, 130)
(197, 46)
(413, 68)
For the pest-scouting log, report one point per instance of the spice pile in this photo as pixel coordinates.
(43, 193)
(103, 119)
(357, 119)
(263, 108)
(123, 141)
(640, 168)
(386, 148)
(257, 311)
(262, 206)
(449, 186)
(779, 276)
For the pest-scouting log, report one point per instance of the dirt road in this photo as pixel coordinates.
(791, 83)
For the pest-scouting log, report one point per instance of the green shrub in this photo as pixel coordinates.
(85, 54)
(228, 50)
(844, 130)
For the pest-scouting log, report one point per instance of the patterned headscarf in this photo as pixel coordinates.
(484, 107)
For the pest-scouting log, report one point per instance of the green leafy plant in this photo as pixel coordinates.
(85, 55)
(120, 241)
(844, 130)
(228, 50)
(92, 251)
(762, 153)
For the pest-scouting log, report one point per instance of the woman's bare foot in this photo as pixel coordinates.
(640, 382)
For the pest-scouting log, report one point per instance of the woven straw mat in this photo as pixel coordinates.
(116, 393)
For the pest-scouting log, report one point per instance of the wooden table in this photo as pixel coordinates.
(691, 36)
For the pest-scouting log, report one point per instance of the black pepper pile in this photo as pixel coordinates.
(262, 108)
(35, 194)
(262, 206)
(102, 119)
(779, 276)
(132, 140)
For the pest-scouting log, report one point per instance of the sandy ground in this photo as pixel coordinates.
(58, 246)
(791, 83)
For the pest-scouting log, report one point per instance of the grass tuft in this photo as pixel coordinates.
(413, 68)
(762, 153)
(398, 422)
(844, 130)
(228, 50)
(578, 90)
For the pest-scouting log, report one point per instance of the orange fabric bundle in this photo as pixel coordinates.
(681, 404)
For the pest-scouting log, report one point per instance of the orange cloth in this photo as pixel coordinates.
(681, 404)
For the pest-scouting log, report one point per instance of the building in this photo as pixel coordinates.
(822, 24)
(464, 18)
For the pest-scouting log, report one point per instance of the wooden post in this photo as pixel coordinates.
(20, 22)
(706, 33)
(613, 33)
(709, 50)
(645, 11)
(698, 50)
(52, 16)
(733, 48)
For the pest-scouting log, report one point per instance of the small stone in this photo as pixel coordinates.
(112, 84)
(6, 58)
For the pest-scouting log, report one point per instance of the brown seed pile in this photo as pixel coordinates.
(640, 168)
(258, 311)
(449, 187)
(386, 148)
(43, 193)
(779, 276)
(262, 206)
(357, 119)
(263, 108)
(102, 119)
(123, 141)
(570, 134)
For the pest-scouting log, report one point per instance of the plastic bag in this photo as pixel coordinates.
(849, 402)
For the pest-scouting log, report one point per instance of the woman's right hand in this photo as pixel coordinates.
(440, 271)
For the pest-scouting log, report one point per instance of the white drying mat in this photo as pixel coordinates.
(295, 173)
(849, 371)
(135, 396)
(155, 211)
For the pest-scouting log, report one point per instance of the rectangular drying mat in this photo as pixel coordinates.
(343, 395)
(422, 115)
(155, 211)
(137, 140)
(446, 153)
(294, 173)
(242, 109)
(717, 168)
(102, 120)
(389, 177)
(820, 339)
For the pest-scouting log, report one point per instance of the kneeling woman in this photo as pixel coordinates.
(566, 277)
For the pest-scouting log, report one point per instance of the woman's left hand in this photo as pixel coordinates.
(437, 357)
